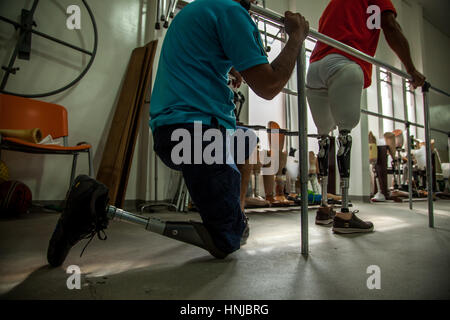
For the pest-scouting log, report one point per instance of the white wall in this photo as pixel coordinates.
(92, 101)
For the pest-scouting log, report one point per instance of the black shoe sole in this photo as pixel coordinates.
(324, 222)
(351, 230)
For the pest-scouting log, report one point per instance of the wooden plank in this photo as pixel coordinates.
(110, 170)
(144, 89)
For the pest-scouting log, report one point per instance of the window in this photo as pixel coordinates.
(412, 107)
(387, 105)
(262, 111)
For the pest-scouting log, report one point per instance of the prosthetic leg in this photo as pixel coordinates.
(343, 160)
(256, 200)
(87, 214)
(191, 232)
(325, 213)
(322, 158)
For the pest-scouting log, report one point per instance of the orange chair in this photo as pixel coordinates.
(23, 113)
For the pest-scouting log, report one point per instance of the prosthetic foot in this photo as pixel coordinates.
(325, 214)
(346, 221)
(87, 214)
(343, 160)
(322, 159)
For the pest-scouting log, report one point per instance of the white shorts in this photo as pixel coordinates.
(334, 88)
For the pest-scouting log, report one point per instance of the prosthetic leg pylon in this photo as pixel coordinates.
(87, 213)
(191, 232)
(343, 160)
(322, 158)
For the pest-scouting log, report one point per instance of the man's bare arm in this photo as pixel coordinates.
(267, 80)
(398, 42)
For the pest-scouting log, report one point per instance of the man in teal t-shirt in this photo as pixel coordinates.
(207, 40)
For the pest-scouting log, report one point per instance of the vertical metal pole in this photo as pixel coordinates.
(158, 14)
(380, 103)
(265, 29)
(408, 143)
(425, 91)
(156, 177)
(287, 109)
(303, 146)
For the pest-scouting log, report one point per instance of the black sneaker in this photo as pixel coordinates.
(354, 225)
(246, 232)
(83, 217)
(325, 215)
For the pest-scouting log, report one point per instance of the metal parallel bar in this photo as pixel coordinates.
(294, 93)
(163, 8)
(274, 37)
(440, 91)
(370, 113)
(303, 152)
(276, 17)
(425, 91)
(171, 5)
(158, 14)
(265, 28)
(408, 143)
(289, 91)
(278, 20)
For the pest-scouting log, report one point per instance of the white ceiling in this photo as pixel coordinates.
(437, 12)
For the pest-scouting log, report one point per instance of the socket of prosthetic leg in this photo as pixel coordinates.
(194, 233)
(389, 137)
(344, 153)
(312, 169)
(399, 141)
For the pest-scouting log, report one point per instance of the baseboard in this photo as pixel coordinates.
(57, 205)
(135, 204)
(365, 199)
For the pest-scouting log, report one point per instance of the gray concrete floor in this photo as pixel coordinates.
(134, 264)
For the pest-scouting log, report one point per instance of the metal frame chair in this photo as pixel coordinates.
(23, 113)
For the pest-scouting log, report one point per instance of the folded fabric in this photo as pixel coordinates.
(49, 140)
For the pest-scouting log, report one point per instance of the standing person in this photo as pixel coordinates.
(335, 82)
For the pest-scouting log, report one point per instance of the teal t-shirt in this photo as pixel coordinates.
(205, 39)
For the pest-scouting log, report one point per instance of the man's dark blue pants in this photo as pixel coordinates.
(214, 188)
